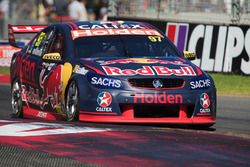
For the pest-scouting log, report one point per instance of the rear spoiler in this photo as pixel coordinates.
(22, 29)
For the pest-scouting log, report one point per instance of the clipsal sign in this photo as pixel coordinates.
(158, 98)
(148, 70)
(219, 48)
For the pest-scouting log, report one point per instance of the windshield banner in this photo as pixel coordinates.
(102, 32)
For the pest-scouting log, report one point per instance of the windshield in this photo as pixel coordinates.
(123, 46)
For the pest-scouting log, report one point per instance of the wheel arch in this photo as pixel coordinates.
(80, 80)
(77, 81)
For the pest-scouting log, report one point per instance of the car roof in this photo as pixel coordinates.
(100, 24)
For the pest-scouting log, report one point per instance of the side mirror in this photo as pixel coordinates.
(52, 57)
(189, 55)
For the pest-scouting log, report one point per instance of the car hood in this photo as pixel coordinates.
(142, 67)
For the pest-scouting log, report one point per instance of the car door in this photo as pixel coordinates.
(32, 67)
(50, 76)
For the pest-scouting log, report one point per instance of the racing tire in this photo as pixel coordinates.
(16, 100)
(72, 102)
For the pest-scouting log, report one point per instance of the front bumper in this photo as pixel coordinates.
(127, 104)
(127, 117)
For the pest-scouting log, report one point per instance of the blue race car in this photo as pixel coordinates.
(123, 72)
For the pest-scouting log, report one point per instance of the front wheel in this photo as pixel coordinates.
(72, 100)
(16, 100)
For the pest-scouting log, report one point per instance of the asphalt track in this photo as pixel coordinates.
(88, 144)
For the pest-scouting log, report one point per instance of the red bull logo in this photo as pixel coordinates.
(50, 82)
(148, 70)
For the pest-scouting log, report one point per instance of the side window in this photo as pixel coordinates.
(58, 44)
(31, 45)
(40, 44)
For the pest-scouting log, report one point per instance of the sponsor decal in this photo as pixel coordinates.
(154, 38)
(205, 103)
(110, 25)
(200, 84)
(158, 98)
(148, 70)
(189, 55)
(37, 52)
(80, 70)
(52, 56)
(104, 99)
(106, 82)
(204, 100)
(142, 61)
(31, 95)
(157, 83)
(66, 73)
(221, 48)
(28, 70)
(102, 32)
(52, 83)
(42, 114)
(41, 38)
(50, 80)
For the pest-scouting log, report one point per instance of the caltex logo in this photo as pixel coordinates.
(204, 100)
(104, 99)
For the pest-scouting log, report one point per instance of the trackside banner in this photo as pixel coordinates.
(6, 52)
(219, 48)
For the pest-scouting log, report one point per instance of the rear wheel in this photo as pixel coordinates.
(16, 100)
(72, 100)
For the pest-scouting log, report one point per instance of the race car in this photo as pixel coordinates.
(118, 72)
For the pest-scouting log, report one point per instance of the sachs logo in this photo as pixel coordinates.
(104, 99)
(204, 100)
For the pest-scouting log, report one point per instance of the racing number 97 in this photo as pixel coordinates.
(154, 38)
(41, 37)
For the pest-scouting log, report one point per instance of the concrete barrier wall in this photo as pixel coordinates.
(219, 48)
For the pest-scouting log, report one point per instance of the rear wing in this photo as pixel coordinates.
(22, 29)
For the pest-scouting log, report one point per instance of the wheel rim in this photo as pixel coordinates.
(71, 102)
(16, 99)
